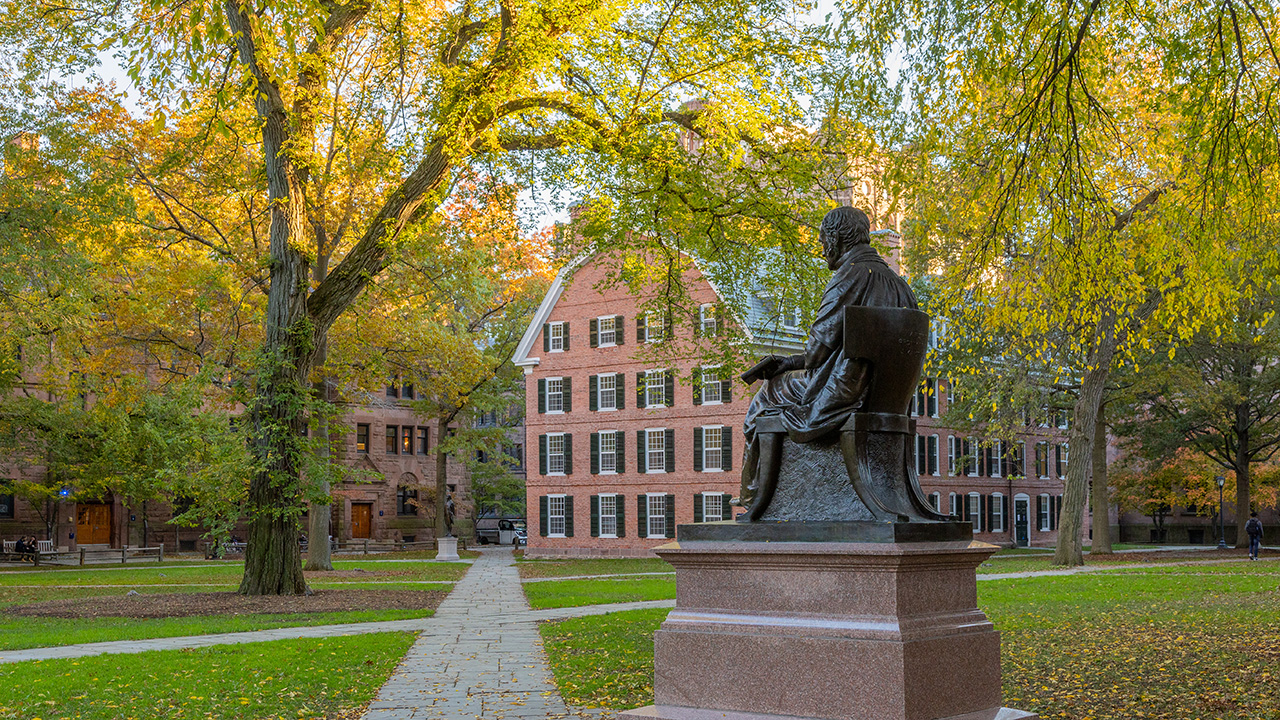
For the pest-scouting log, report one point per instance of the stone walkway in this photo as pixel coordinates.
(480, 657)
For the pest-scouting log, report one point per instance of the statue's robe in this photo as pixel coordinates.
(817, 400)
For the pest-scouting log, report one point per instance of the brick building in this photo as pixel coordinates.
(628, 449)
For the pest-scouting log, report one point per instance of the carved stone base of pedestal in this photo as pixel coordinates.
(826, 631)
(447, 548)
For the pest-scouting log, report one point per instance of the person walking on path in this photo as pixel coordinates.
(1254, 530)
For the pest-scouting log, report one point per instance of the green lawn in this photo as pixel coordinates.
(312, 678)
(573, 593)
(599, 566)
(1006, 561)
(226, 573)
(1173, 643)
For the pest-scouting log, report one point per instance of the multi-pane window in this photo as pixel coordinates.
(362, 438)
(791, 317)
(713, 507)
(555, 515)
(969, 458)
(392, 446)
(935, 499)
(1062, 460)
(707, 320)
(655, 327)
(423, 443)
(607, 392)
(556, 336)
(926, 400)
(655, 388)
(403, 497)
(607, 331)
(555, 394)
(1042, 459)
(996, 459)
(608, 516)
(954, 504)
(406, 440)
(997, 512)
(656, 450)
(1042, 513)
(657, 515)
(710, 384)
(975, 511)
(555, 453)
(712, 448)
(6, 506)
(608, 452)
(953, 454)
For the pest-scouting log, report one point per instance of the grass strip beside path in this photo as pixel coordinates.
(593, 566)
(310, 678)
(575, 593)
(1174, 643)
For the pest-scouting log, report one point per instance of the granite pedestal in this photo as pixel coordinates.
(869, 627)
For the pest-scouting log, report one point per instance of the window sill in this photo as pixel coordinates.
(712, 402)
(554, 474)
(607, 472)
(607, 345)
(553, 412)
(655, 472)
(612, 409)
(561, 536)
(608, 537)
(712, 470)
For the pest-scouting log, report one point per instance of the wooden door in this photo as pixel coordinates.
(361, 515)
(93, 524)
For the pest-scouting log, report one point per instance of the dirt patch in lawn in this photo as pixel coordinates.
(229, 603)
(357, 574)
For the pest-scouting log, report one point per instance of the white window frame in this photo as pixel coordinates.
(953, 455)
(975, 510)
(1044, 519)
(559, 395)
(659, 501)
(612, 436)
(790, 316)
(717, 447)
(552, 455)
(650, 326)
(1063, 458)
(712, 372)
(723, 499)
(953, 503)
(1042, 475)
(613, 330)
(611, 515)
(660, 434)
(660, 387)
(707, 320)
(555, 334)
(970, 458)
(997, 459)
(935, 498)
(997, 512)
(552, 516)
(613, 392)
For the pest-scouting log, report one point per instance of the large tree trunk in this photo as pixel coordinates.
(442, 485)
(1070, 551)
(1242, 474)
(318, 557)
(1100, 492)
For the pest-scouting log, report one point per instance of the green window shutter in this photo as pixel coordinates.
(566, 334)
(593, 403)
(621, 441)
(984, 519)
(568, 512)
(618, 336)
(642, 456)
(697, 455)
(671, 450)
(542, 515)
(726, 448)
(671, 516)
(542, 454)
(642, 515)
(546, 337)
(669, 378)
(1004, 511)
(697, 507)
(964, 507)
(726, 391)
(568, 394)
(595, 513)
(641, 402)
(620, 502)
(640, 334)
(595, 456)
(594, 332)
(620, 390)
(1039, 510)
(697, 386)
(542, 395)
(568, 453)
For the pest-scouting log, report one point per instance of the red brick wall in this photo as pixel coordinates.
(579, 303)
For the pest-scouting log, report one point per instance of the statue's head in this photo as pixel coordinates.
(841, 230)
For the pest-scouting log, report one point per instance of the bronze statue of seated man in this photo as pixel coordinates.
(869, 371)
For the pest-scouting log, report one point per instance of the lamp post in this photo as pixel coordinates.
(1222, 527)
